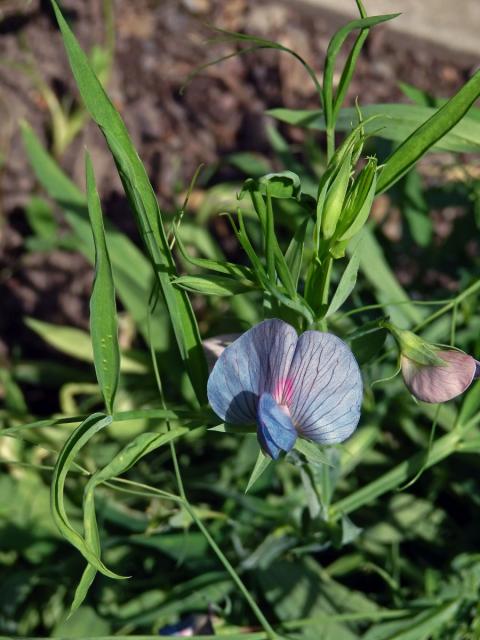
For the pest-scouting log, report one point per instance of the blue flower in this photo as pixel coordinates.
(290, 386)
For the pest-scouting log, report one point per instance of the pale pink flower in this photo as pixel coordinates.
(439, 383)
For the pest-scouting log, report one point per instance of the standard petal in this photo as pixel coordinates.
(325, 388)
(275, 429)
(257, 362)
(439, 383)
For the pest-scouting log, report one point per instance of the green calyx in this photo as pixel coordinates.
(415, 348)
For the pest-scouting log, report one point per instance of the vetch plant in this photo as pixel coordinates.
(308, 386)
(301, 308)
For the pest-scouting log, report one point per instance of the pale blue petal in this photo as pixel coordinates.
(257, 362)
(326, 388)
(274, 427)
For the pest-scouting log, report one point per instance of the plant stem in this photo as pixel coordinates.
(231, 571)
(442, 448)
(330, 142)
(450, 305)
(325, 288)
(183, 500)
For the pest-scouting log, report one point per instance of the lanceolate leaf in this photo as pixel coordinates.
(103, 310)
(131, 270)
(423, 138)
(261, 465)
(77, 344)
(347, 281)
(124, 460)
(334, 48)
(72, 446)
(211, 285)
(392, 122)
(144, 204)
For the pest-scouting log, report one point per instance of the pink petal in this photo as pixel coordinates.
(431, 383)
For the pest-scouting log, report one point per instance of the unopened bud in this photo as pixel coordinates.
(335, 199)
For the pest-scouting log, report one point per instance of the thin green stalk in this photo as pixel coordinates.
(231, 571)
(330, 133)
(442, 448)
(325, 287)
(382, 305)
(173, 451)
(450, 305)
(183, 500)
(427, 452)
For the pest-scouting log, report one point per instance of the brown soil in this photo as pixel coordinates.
(158, 42)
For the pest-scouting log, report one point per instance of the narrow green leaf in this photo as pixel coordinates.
(423, 626)
(348, 70)
(228, 268)
(124, 460)
(347, 281)
(144, 204)
(442, 448)
(103, 309)
(423, 138)
(131, 270)
(333, 50)
(86, 581)
(312, 452)
(211, 285)
(72, 446)
(392, 122)
(41, 219)
(377, 271)
(244, 240)
(294, 253)
(76, 343)
(261, 465)
(270, 239)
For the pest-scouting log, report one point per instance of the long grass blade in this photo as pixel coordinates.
(144, 204)
(103, 309)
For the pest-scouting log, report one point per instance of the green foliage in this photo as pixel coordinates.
(144, 204)
(103, 309)
(371, 539)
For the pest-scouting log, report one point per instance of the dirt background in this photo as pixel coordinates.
(158, 43)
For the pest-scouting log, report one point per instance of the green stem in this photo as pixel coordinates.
(183, 500)
(450, 305)
(176, 466)
(325, 287)
(231, 571)
(442, 448)
(330, 142)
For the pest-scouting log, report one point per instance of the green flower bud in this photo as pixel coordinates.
(334, 201)
(415, 348)
(359, 202)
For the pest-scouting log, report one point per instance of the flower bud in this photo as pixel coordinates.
(432, 374)
(434, 383)
(334, 202)
(359, 202)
